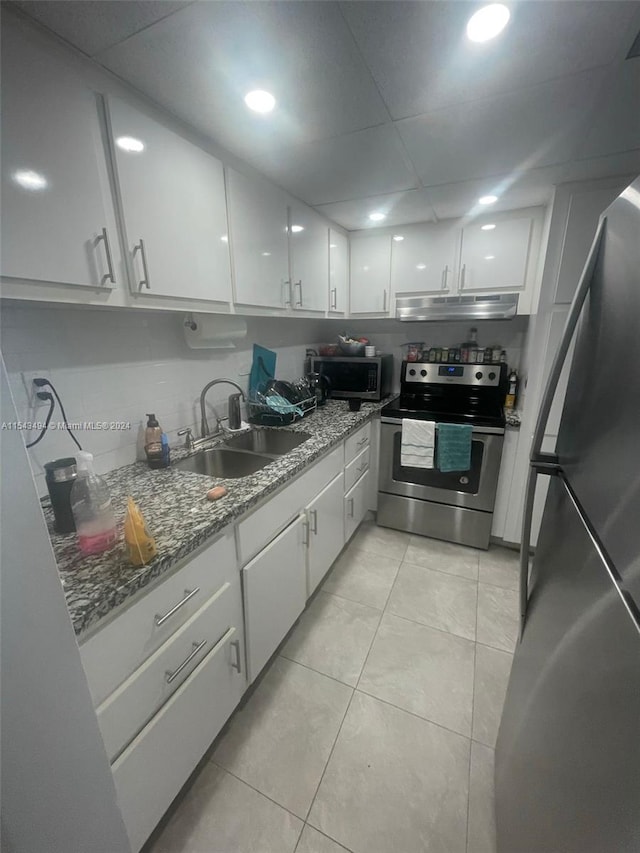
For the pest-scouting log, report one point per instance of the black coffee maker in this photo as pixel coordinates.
(60, 476)
(320, 386)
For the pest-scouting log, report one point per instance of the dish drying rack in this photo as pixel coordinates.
(280, 412)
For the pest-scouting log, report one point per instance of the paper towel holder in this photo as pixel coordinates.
(213, 331)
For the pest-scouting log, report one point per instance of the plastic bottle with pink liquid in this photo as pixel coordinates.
(91, 507)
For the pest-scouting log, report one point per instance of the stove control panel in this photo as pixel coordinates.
(485, 375)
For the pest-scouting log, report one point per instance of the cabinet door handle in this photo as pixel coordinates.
(384, 300)
(333, 303)
(197, 647)
(144, 282)
(286, 285)
(445, 273)
(363, 441)
(110, 275)
(188, 595)
(305, 532)
(350, 505)
(314, 518)
(462, 276)
(237, 664)
(299, 284)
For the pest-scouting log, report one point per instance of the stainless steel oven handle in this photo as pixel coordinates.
(543, 416)
(397, 422)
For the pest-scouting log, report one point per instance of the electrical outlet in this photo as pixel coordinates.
(244, 368)
(31, 390)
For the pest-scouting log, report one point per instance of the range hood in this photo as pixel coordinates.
(413, 309)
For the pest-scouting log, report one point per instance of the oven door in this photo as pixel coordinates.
(473, 489)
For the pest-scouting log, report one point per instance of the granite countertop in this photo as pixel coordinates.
(180, 517)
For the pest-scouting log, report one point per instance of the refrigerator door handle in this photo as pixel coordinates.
(536, 456)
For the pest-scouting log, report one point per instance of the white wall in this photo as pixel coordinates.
(119, 364)
(57, 789)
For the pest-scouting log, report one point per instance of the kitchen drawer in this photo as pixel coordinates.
(355, 506)
(155, 765)
(262, 525)
(115, 651)
(129, 708)
(356, 443)
(356, 468)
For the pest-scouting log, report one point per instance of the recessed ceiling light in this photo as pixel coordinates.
(398, 238)
(297, 228)
(489, 257)
(30, 180)
(487, 22)
(488, 199)
(266, 254)
(377, 217)
(260, 101)
(130, 144)
(421, 266)
(489, 227)
(224, 238)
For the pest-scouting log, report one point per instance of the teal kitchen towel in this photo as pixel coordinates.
(454, 447)
(263, 368)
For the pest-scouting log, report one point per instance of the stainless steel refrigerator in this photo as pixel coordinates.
(568, 749)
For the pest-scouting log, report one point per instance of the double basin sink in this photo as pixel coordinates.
(242, 454)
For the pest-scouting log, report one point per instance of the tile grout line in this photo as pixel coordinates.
(439, 571)
(257, 790)
(324, 835)
(317, 671)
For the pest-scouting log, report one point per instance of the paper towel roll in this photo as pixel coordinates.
(214, 331)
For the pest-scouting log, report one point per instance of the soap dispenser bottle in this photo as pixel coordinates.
(91, 508)
(153, 443)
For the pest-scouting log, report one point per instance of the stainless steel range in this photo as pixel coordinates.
(454, 506)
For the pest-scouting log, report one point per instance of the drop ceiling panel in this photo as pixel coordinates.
(421, 59)
(369, 162)
(96, 25)
(513, 191)
(200, 63)
(400, 209)
(625, 163)
(535, 127)
(615, 123)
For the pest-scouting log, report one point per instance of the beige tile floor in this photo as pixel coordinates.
(374, 729)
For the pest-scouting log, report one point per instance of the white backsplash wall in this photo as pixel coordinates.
(118, 365)
(389, 335)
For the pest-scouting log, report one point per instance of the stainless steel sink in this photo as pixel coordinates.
(269, 441)
(224, 463)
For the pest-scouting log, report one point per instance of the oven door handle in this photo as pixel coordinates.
(397, 422)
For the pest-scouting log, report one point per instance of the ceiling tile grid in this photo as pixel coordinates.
(384, 105)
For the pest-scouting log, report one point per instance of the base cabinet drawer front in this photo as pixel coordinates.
(355, 506)
(153, 768)
(326, 531)
(356, 468)
(125, 713)
(114, 652)
(275, 593)
(260, 527)
(356, 443)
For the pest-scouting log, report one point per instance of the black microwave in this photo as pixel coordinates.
(351, 376)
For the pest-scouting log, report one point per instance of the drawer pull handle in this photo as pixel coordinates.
(363, 441)
(314, 517)
(350, 503)
(197, 647)
(188, 595)
(362, 467)
(236, 647)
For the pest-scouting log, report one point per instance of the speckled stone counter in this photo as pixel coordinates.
(512, 418)
(180, 517)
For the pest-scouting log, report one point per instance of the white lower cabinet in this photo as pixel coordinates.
(325, 532)
(356, 504)
(275, 593)
(155, 765)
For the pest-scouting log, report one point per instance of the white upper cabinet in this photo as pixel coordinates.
(174, 210)
(258, 217)
(495, 254)
(338, 272)
(423, 258)
(309, 256)
(371, 274)
(58, 223)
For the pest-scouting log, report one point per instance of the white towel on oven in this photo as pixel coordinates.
(418, 443)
